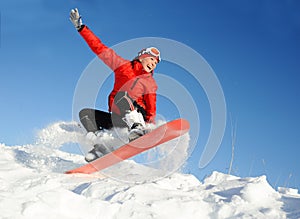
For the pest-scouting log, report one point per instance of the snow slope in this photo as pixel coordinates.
(32, 185)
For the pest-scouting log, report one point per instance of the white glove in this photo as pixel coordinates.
(134, 117)
(76, 18)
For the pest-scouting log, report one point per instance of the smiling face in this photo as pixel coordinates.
(149, 63)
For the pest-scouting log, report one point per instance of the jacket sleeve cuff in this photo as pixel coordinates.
(150, 119)
(80, 29)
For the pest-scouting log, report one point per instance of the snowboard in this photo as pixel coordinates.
(162, 134)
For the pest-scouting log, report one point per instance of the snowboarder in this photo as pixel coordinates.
(132, 102)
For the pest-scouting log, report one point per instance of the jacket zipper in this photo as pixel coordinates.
(134, 83)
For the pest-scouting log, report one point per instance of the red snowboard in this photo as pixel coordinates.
(156, 137)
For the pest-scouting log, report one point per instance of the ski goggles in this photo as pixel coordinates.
(151, 51)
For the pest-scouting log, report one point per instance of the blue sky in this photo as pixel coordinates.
(252, 46)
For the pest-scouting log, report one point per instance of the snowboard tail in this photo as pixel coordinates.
(162, 134)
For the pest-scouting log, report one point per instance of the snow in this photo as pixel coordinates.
(33, 185)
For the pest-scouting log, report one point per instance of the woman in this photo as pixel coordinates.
(132, 102)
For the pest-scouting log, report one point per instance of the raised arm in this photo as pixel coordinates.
(106, 54)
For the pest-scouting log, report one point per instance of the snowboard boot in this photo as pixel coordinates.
(93, 155)
(98, 151)
(137, 130)
(136, 124)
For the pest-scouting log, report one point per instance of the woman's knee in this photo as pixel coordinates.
(86, 112)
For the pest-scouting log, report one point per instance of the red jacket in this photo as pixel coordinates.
(129, 75)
